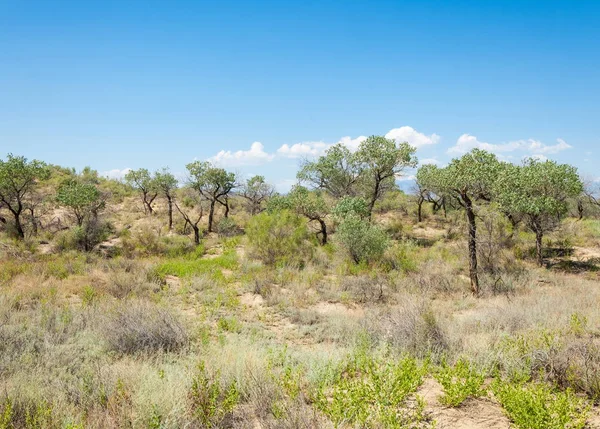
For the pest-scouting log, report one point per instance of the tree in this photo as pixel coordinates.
(337, 172)
(18, 178)
(311, 205)
(539, 191)
(424, 194)
(143, 182)
(364, 241)
(382, 161)
(256, 191)
(192, 214)
(166, 184)
(215, 184)
(83, 199)
(467, 180)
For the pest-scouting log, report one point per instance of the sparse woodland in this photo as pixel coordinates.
(216, 302)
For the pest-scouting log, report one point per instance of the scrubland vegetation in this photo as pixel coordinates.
(218, 303)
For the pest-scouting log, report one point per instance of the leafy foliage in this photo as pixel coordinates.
(382, 161)
(336, 172)
(539, 406)
(84, 199)
(18, 178)
(278, 238)
(371, 392)
(257, 191)
(145, 184)
(212, 183)
(363, 241)
(460, 382)
(538, 191)
(348, 206)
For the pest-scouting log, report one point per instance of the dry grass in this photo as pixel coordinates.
(93, 342)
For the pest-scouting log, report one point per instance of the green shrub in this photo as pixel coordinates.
(459, 382)
(403, 257)
(350, 206)
(85, 237)
(372, 392)
(278, 238)
(226, 227)
(211, 402)
(540, 406)
(147, 242)
(363, 241)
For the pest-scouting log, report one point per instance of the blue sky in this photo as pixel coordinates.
(118, 85)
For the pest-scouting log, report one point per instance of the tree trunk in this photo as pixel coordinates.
(18, 226)
(323, 232)
(420, 210)
(211, 215)
(580, 209)
(539, 236)
(226, 207)
(472, 245)
(34, 224)
(374, 197)
(196, 234)
(170, 206)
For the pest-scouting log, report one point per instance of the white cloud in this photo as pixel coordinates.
(412, 136)
(351, 143)
(301, 150)
(255, 156)
(427, 161)
(285, 186)
(466, 142)
(116, 173)
(310, 149)
(537, 157)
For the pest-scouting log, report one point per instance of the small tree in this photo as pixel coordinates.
(278, 238)
(467, 180)
(143, 182)
(18, 177)
(364, 241)
(539, 191)
(214, 184)
(425, 195)
(166, 184)
(337, 172)
(256, 191)
(382, 161)
(311, 205)
(82, 199)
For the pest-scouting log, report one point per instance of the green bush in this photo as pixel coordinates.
(402, 256)
(211, 402)
(372, 392)
(147, 242)
(279, 238)
(226, 227)
(85, 237)
(363, 241)
(540, 406)
(459, 382)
